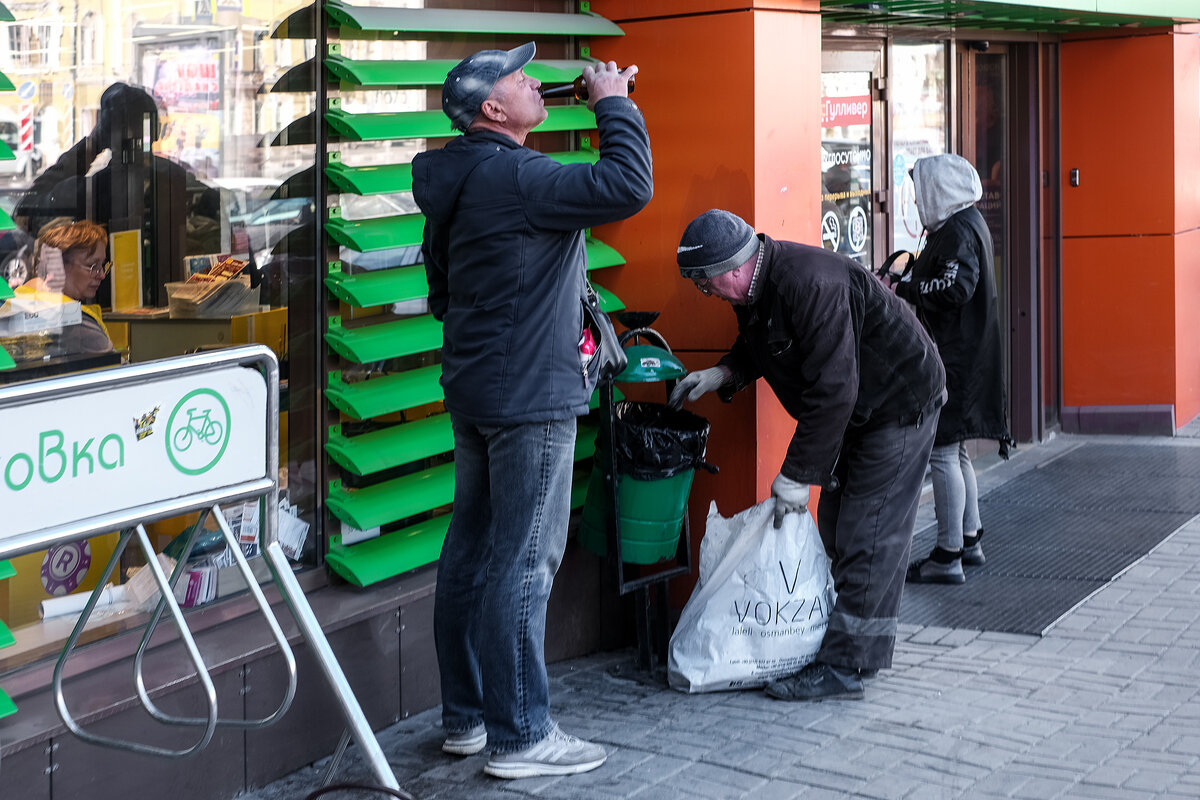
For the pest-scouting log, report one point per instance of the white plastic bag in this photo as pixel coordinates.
(761, 606)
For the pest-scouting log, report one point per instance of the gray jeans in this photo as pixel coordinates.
(866, 525)
(955, 494)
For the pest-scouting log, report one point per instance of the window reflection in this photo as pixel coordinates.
(149, 144)
(918, 91)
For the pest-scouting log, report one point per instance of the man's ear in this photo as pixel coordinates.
(493, 111)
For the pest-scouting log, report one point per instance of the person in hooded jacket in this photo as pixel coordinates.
(506, 264)
(953, 289)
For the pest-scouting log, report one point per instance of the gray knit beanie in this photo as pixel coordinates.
(714, 243)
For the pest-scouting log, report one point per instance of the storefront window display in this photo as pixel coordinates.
(846, 164)
(918, 91)
(155, 211)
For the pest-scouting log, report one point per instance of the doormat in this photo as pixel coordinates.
(1057, 533)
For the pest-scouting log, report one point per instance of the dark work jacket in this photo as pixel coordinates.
(505, 258)
(953, 289)
(838, 349)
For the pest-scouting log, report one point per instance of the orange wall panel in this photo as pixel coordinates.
(787, 118)
(1118, 319)
(1187, 326)
(621, 11)
(701, 123)
(1187, 135)
(1117, 130)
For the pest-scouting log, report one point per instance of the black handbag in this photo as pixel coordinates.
(610, 354)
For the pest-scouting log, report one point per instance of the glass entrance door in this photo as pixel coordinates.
(849, 137)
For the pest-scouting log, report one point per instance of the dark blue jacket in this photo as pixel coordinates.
(504, 254)
(839, 350)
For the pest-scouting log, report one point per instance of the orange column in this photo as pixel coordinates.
(731, 96)
(1131, 292)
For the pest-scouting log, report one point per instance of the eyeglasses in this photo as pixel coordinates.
(97, 268)
(702, 285)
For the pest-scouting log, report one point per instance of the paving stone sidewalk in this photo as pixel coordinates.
(1105, 705)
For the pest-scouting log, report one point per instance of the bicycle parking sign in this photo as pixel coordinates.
(198, 432)
(107, 448)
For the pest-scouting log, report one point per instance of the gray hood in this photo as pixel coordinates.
(945, 185)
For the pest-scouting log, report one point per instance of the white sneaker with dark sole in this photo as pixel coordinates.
(467, 743)
(557, 754)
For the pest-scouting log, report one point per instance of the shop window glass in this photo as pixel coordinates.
(143, 161)
(918, 94)
(846, 164)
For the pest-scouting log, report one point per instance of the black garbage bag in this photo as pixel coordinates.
(654, 441)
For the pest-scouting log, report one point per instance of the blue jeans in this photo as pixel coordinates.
(512, 502)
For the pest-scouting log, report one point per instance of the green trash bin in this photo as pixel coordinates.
(657, 452)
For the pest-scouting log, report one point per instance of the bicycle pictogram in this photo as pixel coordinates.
(200, 426)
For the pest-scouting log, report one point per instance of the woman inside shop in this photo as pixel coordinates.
(69, 259)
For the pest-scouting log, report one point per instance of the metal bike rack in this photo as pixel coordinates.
(197, 490)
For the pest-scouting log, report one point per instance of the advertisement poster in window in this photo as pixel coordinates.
(187, 83)
(846, 164)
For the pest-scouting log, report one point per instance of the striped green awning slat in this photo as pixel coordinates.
(384, 340)
(435, 124)
(416, 21)
(393, 500)
(377, 233)
(380, 287)
(387, 448)
(388, 555)
(390, 178)
(386, 394)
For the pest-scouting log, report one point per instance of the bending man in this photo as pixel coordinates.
(851, 363)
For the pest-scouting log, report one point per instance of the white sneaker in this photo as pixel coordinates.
(467, 743)
(557, 754)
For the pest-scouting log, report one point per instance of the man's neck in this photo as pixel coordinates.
(494, 127)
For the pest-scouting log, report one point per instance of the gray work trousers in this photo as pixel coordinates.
(866, 525)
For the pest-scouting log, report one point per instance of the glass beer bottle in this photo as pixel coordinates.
(577, 89)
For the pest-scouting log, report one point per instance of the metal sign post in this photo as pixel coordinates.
(150, 441)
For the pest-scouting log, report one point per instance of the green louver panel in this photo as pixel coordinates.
(366, 289)
(420, 20)
(6, 85)
(6, 222)
(376, 451)
(434, 124)
(393, 500)
(7, 706)
(432, 72)
(6, 637)
(609, 302)
(385, 395)
(6, 153)
(384, 340)
(379, 233)
(601, 255)
(389, 555)
(381, 179)
(390, 178)
(6, 570)
(6, 15)
(5, 291)
(6, 361)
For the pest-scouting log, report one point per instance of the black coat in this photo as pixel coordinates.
(953, 288)
(838, 349)
(505, 257)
